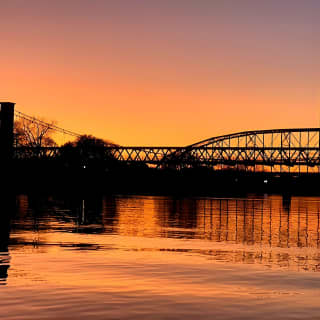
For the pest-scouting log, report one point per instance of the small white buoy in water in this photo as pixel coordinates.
(265, 181)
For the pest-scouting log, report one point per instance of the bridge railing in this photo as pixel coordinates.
(284, 159)
(31, 153)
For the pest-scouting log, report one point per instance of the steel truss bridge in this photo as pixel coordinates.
(279, 150)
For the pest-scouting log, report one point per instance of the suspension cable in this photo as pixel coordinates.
(24, 116)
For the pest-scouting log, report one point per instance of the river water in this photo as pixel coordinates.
(145, 257)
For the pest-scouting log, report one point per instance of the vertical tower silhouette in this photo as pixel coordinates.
(6, 130)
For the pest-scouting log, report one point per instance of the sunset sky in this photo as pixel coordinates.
(169, 72)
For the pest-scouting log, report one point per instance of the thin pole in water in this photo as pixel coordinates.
(82, 211)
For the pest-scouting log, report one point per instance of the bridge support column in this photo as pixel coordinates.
(6, 132)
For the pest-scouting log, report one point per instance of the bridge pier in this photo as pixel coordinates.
(6, 135)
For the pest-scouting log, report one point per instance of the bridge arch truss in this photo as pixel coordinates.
(278, 150)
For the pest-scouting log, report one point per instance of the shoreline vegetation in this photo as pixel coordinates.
(113, 177)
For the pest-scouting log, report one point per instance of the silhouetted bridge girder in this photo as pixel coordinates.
(279, 150)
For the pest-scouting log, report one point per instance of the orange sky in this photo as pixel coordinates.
(173, 72)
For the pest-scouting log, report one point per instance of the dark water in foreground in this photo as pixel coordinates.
(160, 258)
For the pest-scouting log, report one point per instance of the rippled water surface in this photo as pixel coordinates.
(143, 257)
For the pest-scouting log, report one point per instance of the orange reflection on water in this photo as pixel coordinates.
(143, 256)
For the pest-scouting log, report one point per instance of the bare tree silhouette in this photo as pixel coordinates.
(33, 134)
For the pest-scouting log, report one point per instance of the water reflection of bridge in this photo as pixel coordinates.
(273, 231)
(274, 222)
(271, 222)
(268, 231)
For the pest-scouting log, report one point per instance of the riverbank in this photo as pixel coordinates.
(51, 176)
